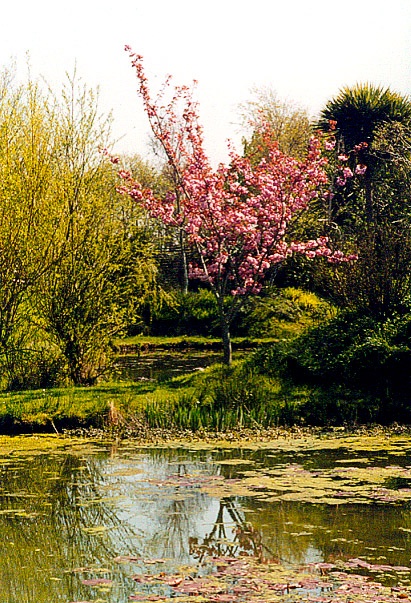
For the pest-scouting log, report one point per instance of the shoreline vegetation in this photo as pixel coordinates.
(230, 403)
(214, 399)
(312, 367)
(111, 406)
(281, 437)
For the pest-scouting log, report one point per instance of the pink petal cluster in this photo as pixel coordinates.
(329, 144)
(360, 169)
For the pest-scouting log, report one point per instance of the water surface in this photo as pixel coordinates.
(158, 366)
(80, 522)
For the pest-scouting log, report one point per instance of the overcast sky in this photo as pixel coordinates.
(304, 50)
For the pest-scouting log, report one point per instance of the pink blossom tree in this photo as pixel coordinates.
(233, 218)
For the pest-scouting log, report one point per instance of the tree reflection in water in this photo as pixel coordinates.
(52, 517)
(177, 523)
(230, 538)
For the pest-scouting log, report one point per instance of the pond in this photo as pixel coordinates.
(161, 366)
(94, 522)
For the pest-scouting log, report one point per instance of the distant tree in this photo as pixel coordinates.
(234, 218)
(290, 124)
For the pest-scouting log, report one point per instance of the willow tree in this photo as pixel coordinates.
(30, 226)
(71, 269)
(106, 267)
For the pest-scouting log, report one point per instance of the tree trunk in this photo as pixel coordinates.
(369, 201)
(184, 263)
(227, 350)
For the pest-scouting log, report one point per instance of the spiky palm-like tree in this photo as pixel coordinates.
(360, 112)
(373, 211)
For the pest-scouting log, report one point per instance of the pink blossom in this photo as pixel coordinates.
(343, 157)
(360, 169)
(360, 147)
(347, 172)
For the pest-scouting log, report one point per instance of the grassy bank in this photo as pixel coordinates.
(312, 368)
(218, 399)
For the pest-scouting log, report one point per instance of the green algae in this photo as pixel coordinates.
(331, 486)
(352, 480)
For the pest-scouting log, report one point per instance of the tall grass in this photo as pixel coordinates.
(220, 399)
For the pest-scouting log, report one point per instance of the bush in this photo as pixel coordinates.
(358, 370)
(220, 399)
(189, 314)
(241, 397)
(284, 313)
(33, 369)
(276, 313)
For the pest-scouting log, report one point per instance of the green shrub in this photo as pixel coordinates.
(219, 399)
(193, 313)
(33, 369)
(358, 370)
(236, 397)
(276, 313)
(284, 313)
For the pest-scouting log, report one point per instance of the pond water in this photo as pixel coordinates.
(94, 522)
(162, 366)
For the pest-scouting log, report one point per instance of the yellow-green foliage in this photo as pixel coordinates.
(287, 313)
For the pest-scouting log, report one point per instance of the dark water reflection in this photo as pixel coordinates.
(74, 515)
(163, 366)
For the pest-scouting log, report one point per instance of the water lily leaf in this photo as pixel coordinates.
(127, 471)
(97, 582)
(126, 559)
(190, 588)
(175, 581)
(145, 578)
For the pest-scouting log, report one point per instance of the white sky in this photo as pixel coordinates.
(304, 50)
